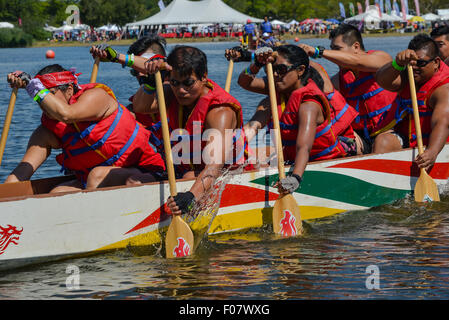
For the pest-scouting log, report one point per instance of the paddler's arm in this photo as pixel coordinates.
(219, 120)
(307, 117)
(356, 62)
(440, 127)
(92, 105)
(259, 120)
(40, 144)
(248, 80)
(390, 76)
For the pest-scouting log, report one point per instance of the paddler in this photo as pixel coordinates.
(90, 126)
(342, 115)
(431, 77)
(304, 112)
(146, 47)
(441, 36)
(196, 105)
(356, 78)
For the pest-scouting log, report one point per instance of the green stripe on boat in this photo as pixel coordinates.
(342, 188)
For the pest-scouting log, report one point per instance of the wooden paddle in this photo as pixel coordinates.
(93, 77)
(229, 77)
(8, 118)
(179, 241)
(286, 216)
(426, 189)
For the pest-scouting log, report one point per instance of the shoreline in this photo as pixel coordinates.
(128, 42)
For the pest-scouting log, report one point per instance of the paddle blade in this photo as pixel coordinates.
(286, 217)
(179, 240)
(426, 189)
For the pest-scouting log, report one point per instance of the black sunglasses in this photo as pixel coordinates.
(282, 69)
(422, 63)
(186, 83)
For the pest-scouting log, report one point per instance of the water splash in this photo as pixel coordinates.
(206, 209)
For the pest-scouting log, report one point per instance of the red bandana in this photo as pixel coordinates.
(51, 80)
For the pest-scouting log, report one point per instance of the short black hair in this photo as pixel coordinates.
(424, 42)
(186, 59)
(350, 34)
(440, 31)
(153, 41)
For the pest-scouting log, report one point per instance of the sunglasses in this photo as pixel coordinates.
(422, 63)
(188, 83)
(282, 69)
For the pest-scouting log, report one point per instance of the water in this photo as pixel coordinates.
(407, 242)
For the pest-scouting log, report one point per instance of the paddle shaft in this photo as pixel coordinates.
(411, 80)
(165, 134)
(8, 118)
(229, 76)
(93, 77)
(275, 116)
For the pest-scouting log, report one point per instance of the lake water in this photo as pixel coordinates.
(406, 243)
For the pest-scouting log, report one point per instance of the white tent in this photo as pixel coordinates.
(408, 16)
(277, 22)
(6, 25)
(113, 28)
(371, 17)
(431, 17)
(64, 28)
(195, 12)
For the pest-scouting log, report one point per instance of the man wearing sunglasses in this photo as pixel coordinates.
(431, 76)
(356, 78)
(196, 106)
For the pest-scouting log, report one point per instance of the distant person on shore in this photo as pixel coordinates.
(431, 76)
(356, 79)
(267, 41)
(249, 33)
(441, 36)
(90, 125)
(266, 26)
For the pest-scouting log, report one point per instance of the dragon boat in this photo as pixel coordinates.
(37, 227)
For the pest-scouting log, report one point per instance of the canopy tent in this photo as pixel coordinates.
(371, 15)
(64, 28)
(6, 25)
(293, 22)
(112, 28)
(277, 22)
(333, 21)
(417, 19)
(431, 17)
(195, 12)
(408, 16)
(311, 21)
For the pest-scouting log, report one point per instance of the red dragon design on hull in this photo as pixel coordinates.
(8, 235)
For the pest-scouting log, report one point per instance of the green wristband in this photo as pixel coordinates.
(41, 95)
(396, 66)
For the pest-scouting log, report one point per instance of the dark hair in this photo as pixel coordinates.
(350, 35)
(298, 57)
(53, 69)
(185, 60)
(440, 31)
(153, 41)
(424, 42)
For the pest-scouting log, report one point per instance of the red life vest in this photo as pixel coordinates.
(117, 141)
(326, 144)
(194, 127)
(342, 115)
(403, 110)
(152, 123)
(366, 96)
